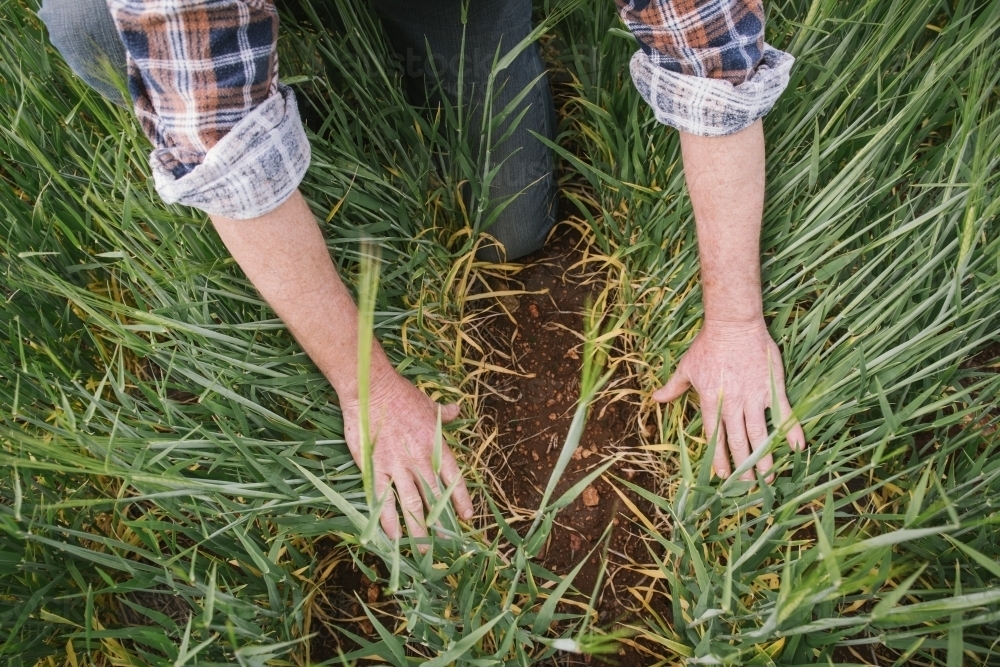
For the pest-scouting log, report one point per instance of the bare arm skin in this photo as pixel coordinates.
(284, 256)
(733, 354)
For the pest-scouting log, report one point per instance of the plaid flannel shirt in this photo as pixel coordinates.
(703, 65)
(203, 76)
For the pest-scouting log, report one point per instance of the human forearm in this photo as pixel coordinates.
(284, 256)
(733, 360)
(725, 178)
(235, 147)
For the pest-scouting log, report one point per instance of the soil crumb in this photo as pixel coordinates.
(539, 336)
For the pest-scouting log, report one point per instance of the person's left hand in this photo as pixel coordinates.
(735, 361)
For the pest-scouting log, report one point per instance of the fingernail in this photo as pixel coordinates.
(467, 514)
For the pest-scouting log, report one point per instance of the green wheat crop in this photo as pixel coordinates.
(172, 466)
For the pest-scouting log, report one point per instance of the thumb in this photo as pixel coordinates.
(449, 412)
(673, 389)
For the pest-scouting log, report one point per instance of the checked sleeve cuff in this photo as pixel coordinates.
(250, 171)
(711, 107)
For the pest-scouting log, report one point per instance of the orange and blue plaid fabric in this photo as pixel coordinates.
(718, 39)
(203, 75)
(195, 69)
(703, 65)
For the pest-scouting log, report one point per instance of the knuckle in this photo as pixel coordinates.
(757, 432)
(412, 504)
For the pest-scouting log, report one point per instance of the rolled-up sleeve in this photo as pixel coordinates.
(203, 76)
(703, 65)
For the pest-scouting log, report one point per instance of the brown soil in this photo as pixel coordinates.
(163, 601)
(542, 340)
(539, 336)
(987, 358)
(868, 654)
(338, 608)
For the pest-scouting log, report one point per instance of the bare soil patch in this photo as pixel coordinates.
(343, 586)
(539, 336)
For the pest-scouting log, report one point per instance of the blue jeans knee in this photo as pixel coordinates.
(523, 193)
(84, 33)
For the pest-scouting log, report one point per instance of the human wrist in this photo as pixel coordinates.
(384, 382)
(382, 378)
(730, 327)
(734, 304)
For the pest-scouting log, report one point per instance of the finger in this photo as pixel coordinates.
(430, 490)
(736, 439)
(449, 412)
(460, 497)
(411, 505)
(757, 432)
(714, 427)
(673, 389)
(389, 518)
(795, 435)
(424, 477)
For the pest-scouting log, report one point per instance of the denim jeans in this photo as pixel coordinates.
(85, 35)
(525, 188)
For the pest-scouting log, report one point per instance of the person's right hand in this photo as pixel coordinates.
(403, 422)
